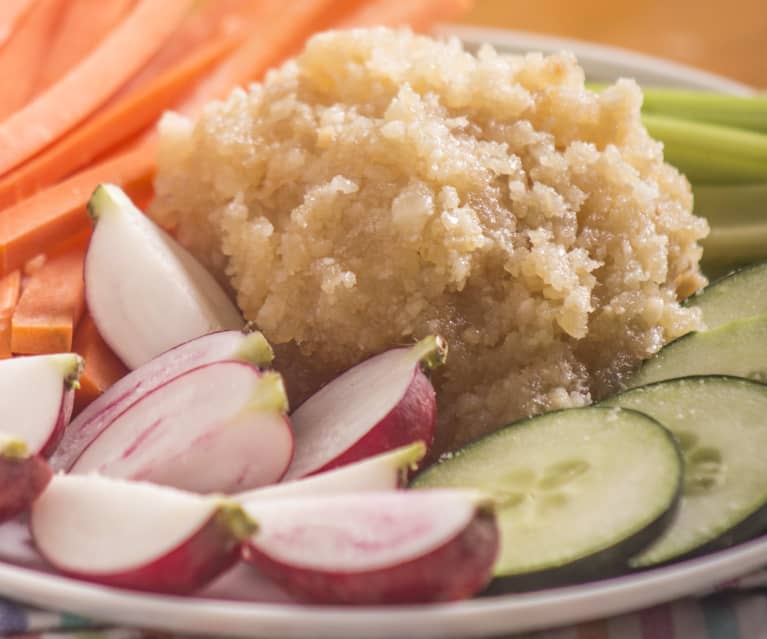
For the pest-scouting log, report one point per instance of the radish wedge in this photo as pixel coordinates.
(36, 398)
(223, 345)
(387, 471)
(385, 402)
(22, 477)
(145, 292)
(217, 428)
(376, 548)
(136, 535)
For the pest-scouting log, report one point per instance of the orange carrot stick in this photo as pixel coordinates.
(83, 25)
(418, 14)
(22, 56)
(11, 13)
(274, 37)
(35, 224)
(91, 83)
(51, 303)
(10, 285)
(113, 124)
(102, 366)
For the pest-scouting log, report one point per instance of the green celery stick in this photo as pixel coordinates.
(731, 204)
(738, 111)
(743, 112)
(728, 247)
(711, 154)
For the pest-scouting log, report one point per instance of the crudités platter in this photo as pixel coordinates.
(218, 612)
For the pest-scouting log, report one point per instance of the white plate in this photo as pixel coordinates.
(475, 618)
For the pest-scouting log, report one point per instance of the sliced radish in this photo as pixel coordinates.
(36, 397)
(217, 428)
(22, 477)
(224, 345)
(387, 471)
(136, 535)
(16, 545)
(374, 548)
(385, 402)
(145, 292)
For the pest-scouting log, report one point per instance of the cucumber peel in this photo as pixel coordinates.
(578, 491)
(739, 295)
(737, 348)
(720, 427)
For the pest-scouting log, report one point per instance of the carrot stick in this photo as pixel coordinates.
(78, 241)
(111, 125)
(21, 59)
(102, 367)
(91, 83)
(418, 14)
(10, 285)
(81, 28)
(11, 13)
(273, 38)
(35, 224)
(50, 306)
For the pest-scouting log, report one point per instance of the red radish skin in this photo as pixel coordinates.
(22, 479)
(65, 413)
(220, 427)
(136, 535)
(422, 580)
(38, 396)
(192, 565)
(412, 415)
(449, 566)
(224, 345)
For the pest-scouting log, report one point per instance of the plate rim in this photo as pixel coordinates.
(481, 616)
(587, 50)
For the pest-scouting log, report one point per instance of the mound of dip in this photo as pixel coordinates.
(383, 186)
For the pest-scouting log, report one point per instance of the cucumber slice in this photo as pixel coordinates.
(741, 294)
(579, 491)
(738, 348)
(720, 427)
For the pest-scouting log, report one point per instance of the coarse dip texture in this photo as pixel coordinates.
(384, 186)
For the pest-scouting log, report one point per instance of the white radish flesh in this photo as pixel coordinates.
(223, 345)
(380, 404)
(136, 535)
(217, 428)
(145, 292)
(387, 471)
(390, 547)
(36, 395)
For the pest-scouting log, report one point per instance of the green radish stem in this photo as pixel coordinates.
(431, 352)
(255, 349)
(233, 518)
(12, 448)
(269, 394)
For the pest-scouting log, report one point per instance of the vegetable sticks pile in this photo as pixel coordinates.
(720, 143)
(89, 82)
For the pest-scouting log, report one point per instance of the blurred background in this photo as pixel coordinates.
(728, 37)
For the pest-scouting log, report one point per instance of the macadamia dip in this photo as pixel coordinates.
(383, 186)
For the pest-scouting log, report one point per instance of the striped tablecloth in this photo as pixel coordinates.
(738, 612)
